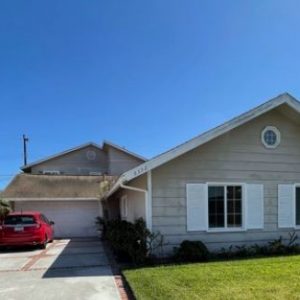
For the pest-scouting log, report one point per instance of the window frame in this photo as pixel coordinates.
(243, 206)
(278, 136)
(296, 185)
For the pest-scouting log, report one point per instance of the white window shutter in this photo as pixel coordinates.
(196, 202)
(254, 206)
(286, 214)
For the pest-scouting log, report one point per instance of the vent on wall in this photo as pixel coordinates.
(91, 155)
(51, 172)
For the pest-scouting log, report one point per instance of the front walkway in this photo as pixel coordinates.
(67, 269)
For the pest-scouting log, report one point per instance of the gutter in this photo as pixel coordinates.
(126, 187)
(147, 193)
(120, 184)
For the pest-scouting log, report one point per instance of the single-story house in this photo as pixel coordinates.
(238, 183)
(67, 187)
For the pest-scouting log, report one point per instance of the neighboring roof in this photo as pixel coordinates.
(108, 143)
(27, 186)
(37, 162)
(206, 137)
(26, 212)
(105, 143)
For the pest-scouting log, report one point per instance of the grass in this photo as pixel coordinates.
(261, 278)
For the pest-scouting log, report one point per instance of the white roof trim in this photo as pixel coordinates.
(205, 137)
(108, 143)
(60, 154)
(53, 199)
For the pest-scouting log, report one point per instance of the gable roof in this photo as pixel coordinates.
(108, 143)
(60, 187)
(37, 162)
(206, 137)
(105, 143)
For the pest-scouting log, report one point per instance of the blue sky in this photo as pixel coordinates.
(146, 75)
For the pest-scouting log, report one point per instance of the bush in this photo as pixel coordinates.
(196, 251)
(5, 208)
(191, 251)
(275, 247)
(131, 242)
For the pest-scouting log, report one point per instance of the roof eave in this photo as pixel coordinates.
(108, 143)
(19, 199)
(206, 137)
(37, 162)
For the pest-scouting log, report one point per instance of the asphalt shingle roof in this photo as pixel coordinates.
(57, 186)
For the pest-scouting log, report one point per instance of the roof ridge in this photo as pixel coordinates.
(206, 136)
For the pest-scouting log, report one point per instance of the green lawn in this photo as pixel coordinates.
(263, 278)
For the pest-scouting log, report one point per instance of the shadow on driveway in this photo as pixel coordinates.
(75, 257)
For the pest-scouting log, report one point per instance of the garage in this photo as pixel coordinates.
(71, 218)
(71, 202)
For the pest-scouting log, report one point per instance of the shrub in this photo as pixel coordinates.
(191, 251)
(130, 241)
(275, 247)
(5, 208)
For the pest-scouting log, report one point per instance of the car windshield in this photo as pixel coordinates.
(19, 219)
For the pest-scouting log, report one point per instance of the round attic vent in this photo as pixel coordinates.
(91, 155)
(270, 137)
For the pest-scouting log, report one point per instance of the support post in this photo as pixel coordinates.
(148, 204)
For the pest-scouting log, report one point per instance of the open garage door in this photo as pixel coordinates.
(72, 218)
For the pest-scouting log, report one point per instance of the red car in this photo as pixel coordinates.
(26, 228)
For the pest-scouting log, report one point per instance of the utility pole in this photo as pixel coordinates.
(25, 140)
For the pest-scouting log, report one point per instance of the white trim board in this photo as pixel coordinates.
(51, 199)
(206, 137)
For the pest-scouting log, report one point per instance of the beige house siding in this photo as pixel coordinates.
(120, 162)
(135, 199)
(237, 156)
(75, 163)
(135, 205)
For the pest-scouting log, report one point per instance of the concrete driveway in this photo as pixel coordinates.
(67, 269)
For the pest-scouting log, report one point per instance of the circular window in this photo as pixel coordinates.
(270, 137)
(91, 155)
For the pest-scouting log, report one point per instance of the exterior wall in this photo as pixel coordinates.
(75, 163)
(120, 162)
(237, 156)
(135, 206)
(135, 202)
